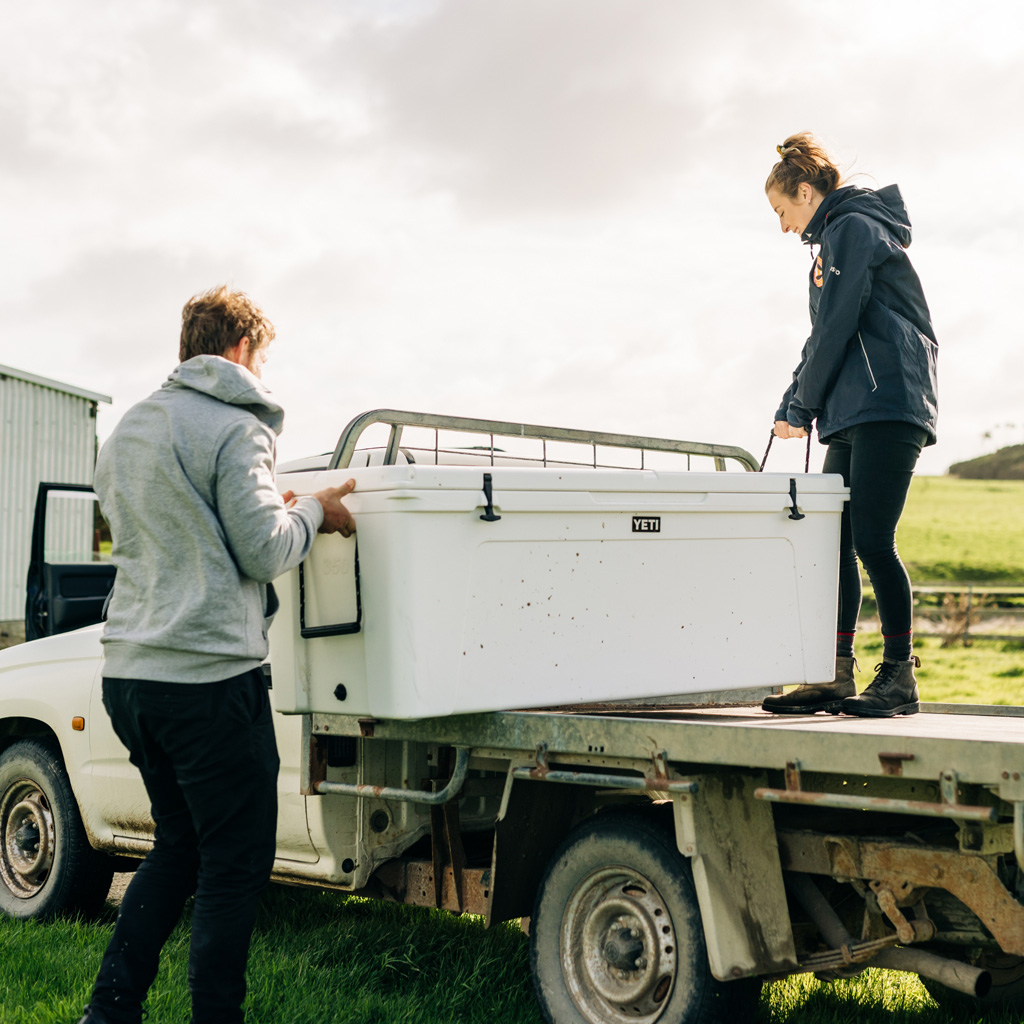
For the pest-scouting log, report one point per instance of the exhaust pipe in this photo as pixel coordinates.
(961, 977)
(954, 974)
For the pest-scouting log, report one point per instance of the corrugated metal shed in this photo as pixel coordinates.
(47, 432)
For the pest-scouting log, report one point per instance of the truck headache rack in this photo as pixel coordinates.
(492, 429)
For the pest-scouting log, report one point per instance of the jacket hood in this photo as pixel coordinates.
(885, 206)
(230, 383)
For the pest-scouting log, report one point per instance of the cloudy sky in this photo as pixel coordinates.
(538, 210)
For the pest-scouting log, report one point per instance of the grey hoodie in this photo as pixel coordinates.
(186, 483)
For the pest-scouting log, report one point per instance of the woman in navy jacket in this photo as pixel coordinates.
(867, 376)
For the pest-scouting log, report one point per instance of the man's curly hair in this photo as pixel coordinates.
(218, 319)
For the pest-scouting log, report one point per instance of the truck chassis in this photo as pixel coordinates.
(820, 844)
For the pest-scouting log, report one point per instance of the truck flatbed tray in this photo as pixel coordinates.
(980, 744)
(747, 713)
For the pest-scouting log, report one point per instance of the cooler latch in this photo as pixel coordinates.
(795, 513)
(489, 515)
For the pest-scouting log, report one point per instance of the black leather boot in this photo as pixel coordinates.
(892, 692)
(810, 697)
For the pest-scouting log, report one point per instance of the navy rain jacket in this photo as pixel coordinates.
(872, 350)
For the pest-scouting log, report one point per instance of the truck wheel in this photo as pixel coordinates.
(47, 866)
(616, 933)
(1007, 991)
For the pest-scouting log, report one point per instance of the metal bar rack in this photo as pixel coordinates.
(398, 420)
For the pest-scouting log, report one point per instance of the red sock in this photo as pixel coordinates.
(844, 645)
(899, 647)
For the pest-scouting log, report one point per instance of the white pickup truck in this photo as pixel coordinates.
(672, 851)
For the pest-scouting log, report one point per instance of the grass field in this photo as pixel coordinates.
(321, 958)
(316, 958)
(988, 672)
(964, 530)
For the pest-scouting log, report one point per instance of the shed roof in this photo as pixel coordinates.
(56, 385)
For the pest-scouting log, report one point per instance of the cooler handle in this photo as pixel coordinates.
(339, 629)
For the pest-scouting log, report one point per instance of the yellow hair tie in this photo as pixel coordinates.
(783, 150)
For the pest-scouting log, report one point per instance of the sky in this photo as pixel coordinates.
(546, 211)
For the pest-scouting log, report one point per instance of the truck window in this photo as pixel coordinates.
(76, 531)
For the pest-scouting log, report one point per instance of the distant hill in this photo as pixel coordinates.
(1005, 464)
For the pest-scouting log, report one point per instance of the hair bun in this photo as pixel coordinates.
(802, 158)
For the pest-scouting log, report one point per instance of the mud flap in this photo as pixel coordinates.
(730, 838)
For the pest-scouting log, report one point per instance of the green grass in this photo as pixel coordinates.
(876, 997)
(321, 958)
(963, 530)
(316, 958)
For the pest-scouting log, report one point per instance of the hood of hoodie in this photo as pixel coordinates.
(885, 206)
(230, 383)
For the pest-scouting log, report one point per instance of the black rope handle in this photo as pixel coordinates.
(807, 456)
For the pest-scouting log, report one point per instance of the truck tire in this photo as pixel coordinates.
(1006, 993)
(47, 867)
(616, 933)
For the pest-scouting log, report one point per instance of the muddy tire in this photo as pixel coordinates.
(1006, 993)
(616, 933)
(47, 867)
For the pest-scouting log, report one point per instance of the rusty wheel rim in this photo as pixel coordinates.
(27, 837)
(618, 948)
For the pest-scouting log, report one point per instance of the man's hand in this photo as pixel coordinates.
(337, 518)
(785, 430)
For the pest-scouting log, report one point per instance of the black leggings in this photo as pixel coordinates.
(876, 461)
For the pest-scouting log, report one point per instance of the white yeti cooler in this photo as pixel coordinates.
(573, 585)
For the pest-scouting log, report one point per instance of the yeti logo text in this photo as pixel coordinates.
(647, 524)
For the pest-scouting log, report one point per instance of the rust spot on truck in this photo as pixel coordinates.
(892, 764)
(905, 871)
(412, 882)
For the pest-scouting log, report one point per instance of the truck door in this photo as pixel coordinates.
(70, 573)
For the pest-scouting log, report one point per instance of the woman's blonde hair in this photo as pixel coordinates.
(803, 159)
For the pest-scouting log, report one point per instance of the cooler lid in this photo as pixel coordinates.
(611, 481)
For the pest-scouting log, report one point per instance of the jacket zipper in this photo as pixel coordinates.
(867, 362)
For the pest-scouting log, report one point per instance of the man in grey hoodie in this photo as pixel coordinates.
(199, 531)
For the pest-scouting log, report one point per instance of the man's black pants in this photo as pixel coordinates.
(208, 757)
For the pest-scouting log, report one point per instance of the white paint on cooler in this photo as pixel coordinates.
(593, 585)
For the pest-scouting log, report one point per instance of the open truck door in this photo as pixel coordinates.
(70, 573)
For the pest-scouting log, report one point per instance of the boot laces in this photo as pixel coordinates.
(887, 674)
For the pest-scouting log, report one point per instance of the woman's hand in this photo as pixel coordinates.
(784, 430)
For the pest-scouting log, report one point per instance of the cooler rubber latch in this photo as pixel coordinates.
(489, 514)
(795, 513)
